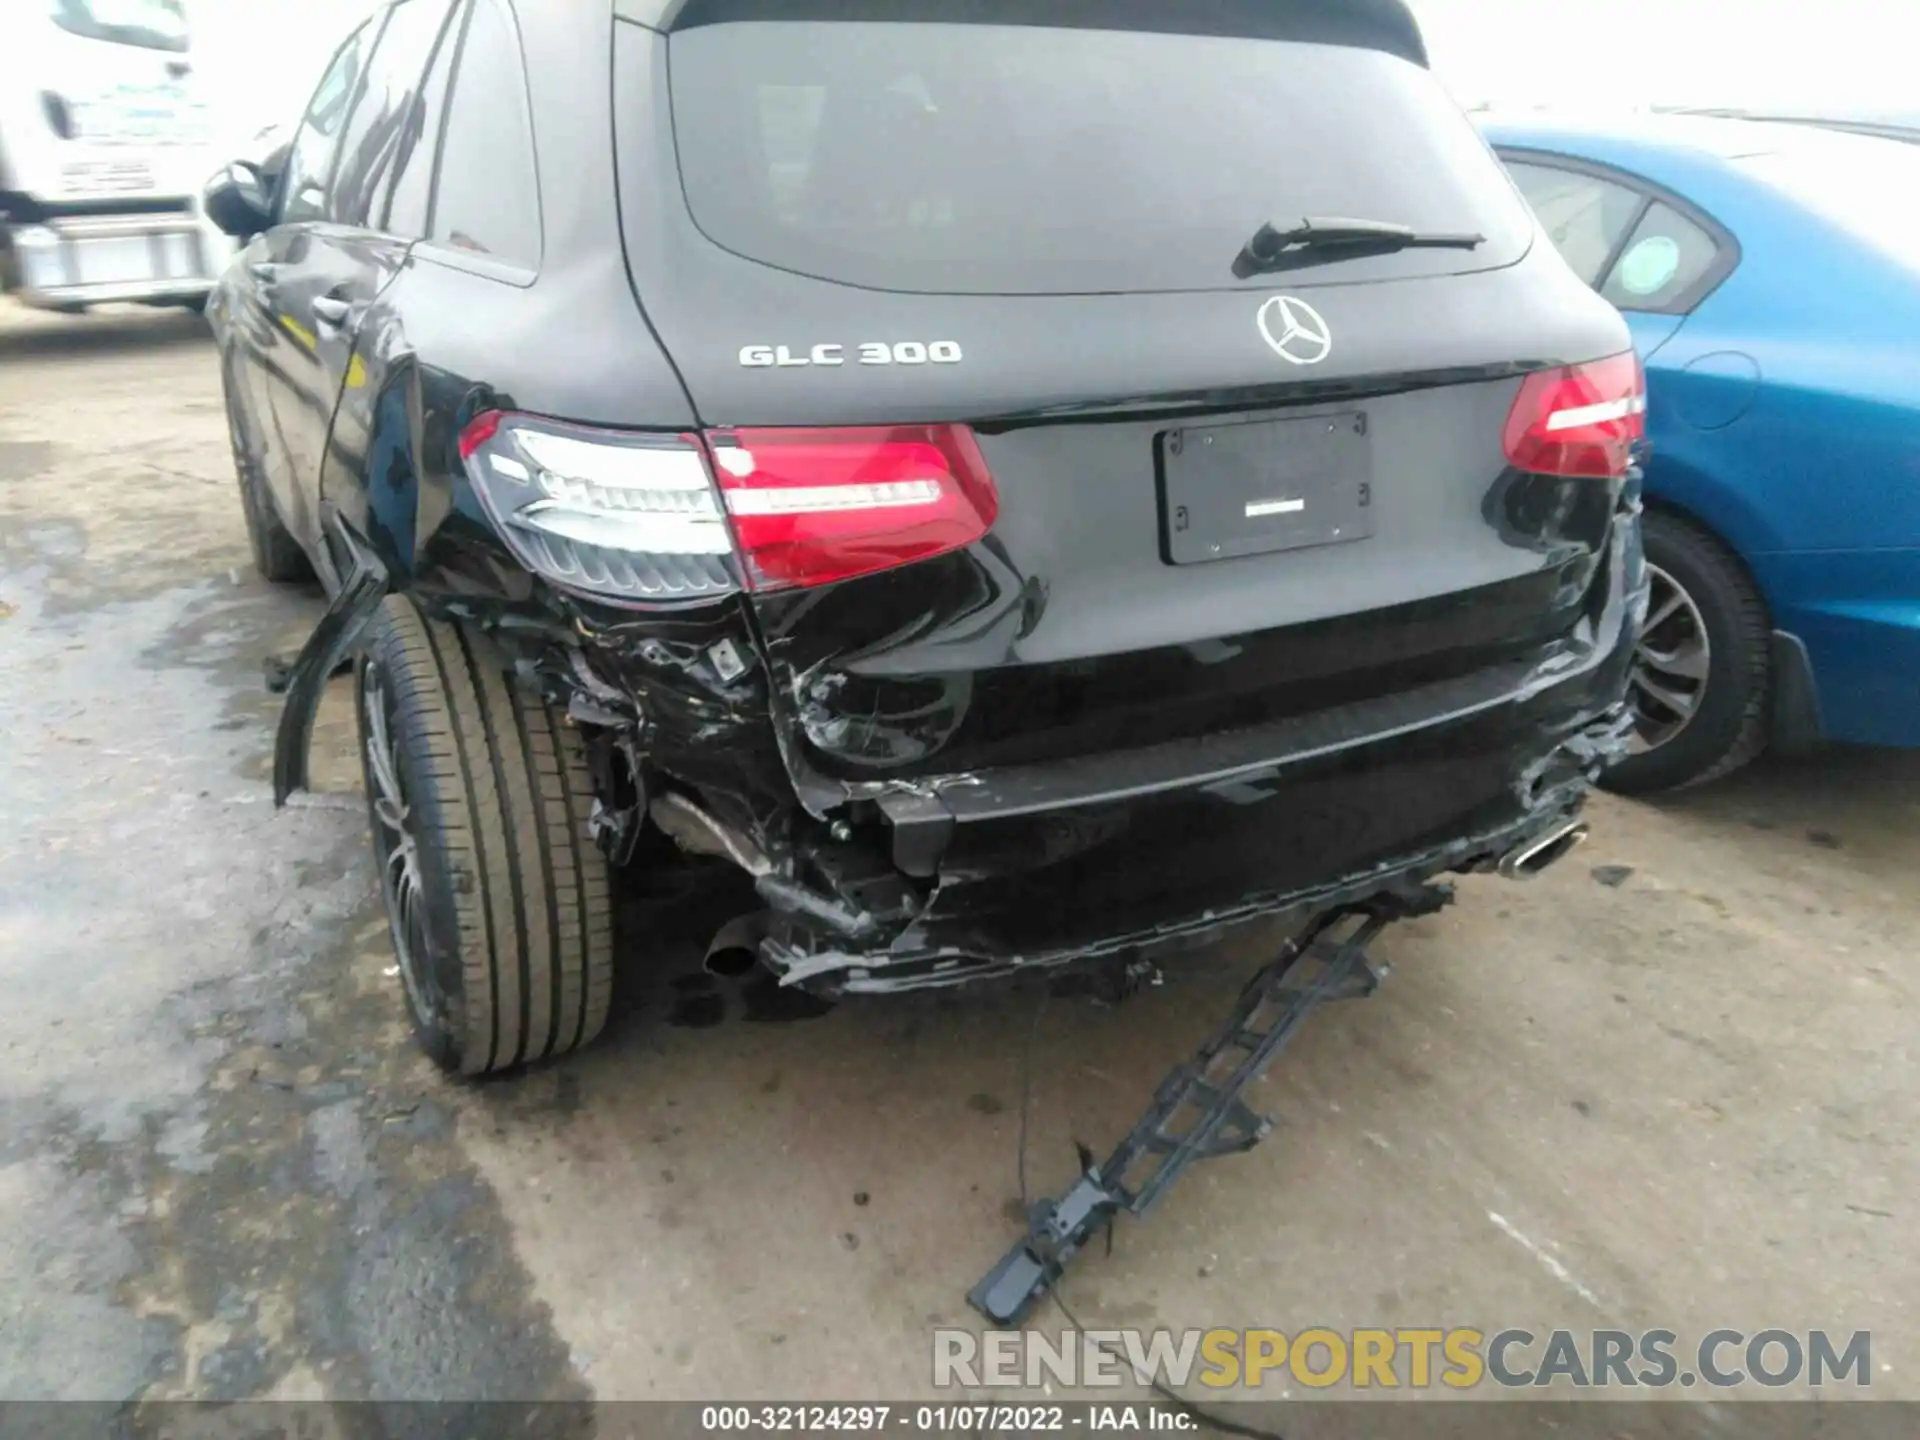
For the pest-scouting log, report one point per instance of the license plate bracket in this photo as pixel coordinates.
(1261, 486)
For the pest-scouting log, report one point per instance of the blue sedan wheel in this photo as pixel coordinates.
(1670, 664)
(1700, 681)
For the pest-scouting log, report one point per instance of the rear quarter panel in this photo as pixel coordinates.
(1785, 412)
(1812, 474)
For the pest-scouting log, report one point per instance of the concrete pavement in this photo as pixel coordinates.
(1684, 1099)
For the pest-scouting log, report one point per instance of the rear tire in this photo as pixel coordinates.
(1728, 724)
(276, 554)
(498, 898)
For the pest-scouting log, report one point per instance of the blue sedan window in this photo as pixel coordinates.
(1584, 215)
(1666, 258)
(1649, 265)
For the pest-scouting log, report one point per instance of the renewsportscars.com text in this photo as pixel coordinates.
(1460, 1358)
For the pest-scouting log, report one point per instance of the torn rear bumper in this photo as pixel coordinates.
(1191, 867)
(1044, 865)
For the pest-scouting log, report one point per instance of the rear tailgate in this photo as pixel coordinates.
(1219, 503)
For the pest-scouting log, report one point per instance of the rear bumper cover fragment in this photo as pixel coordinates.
(333, 640)
(1041, 866)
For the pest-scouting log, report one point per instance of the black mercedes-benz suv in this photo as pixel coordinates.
(1023, 481)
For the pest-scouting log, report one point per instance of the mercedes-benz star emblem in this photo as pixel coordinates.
(1295, 330)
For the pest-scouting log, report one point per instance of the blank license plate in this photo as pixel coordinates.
(1269, 485)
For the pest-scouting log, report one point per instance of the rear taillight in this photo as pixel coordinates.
(639, 517)
(1580, 421)
(813, 506)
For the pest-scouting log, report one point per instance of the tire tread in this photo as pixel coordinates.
(1756, 629)
(531, 894)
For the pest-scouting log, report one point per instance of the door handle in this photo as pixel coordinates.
(333, 312)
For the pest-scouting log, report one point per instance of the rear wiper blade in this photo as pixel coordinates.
(1323, 239)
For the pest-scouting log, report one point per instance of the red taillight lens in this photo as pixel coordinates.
(813, 506)
(479, 430)
(637, 516)
(1580, 421)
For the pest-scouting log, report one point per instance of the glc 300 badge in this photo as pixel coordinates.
(871, 352)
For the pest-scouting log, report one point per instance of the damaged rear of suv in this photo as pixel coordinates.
(1023, 482)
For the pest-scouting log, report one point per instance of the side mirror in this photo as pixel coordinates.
(238, 201)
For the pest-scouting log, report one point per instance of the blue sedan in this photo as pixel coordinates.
(1771, 276)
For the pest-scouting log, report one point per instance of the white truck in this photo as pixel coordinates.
(103, 149)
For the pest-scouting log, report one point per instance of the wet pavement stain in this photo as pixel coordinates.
(279, 1172)
(698, 1012)
(224, 1172)
(765, 1001)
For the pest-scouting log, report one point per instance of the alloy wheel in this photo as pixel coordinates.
(1670, 664)
(397, 851)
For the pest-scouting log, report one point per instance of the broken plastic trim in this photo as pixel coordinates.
(1198, 1112)
(333, 640)
(857, 972)
(699, 833)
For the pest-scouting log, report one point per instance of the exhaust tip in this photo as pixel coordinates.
(734, 963)
(1530, 857)
(733, 953)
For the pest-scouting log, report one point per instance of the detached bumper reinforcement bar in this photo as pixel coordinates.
(1198, 1113)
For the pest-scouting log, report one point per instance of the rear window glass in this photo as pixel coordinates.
(1868, 187)
(976, 158)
